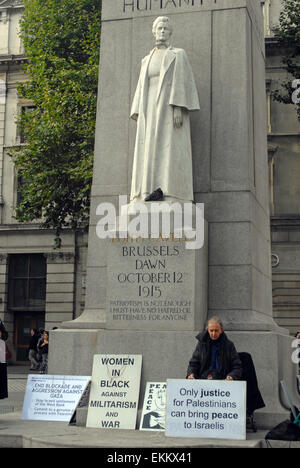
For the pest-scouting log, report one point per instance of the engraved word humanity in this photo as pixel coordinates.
(155, 5)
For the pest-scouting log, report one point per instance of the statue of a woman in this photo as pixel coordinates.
(165, 94)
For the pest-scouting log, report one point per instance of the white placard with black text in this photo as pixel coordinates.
(52, 397)
(115, 391)
(206, 409)
(154, 408)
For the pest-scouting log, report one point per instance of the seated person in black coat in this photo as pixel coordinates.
(215, 356)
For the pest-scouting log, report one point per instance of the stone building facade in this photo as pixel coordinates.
(284, 170)
(41, 287)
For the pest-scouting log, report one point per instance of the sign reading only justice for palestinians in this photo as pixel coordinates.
(206, 409)
(114, 391)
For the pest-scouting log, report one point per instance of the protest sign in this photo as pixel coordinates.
(114, 391)
(206, 409)
(154, 408)
(52, 397)
(82, 403)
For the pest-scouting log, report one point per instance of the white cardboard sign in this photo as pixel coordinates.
(213, 409)
(154, 408)
(114, 391)
(52, 397)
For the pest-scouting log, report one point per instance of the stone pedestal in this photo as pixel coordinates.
(155, 285)
(157, 281)
(224, 41)
(166, 355)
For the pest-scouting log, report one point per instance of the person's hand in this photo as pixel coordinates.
(191, 377)
(229, 377)
(178, 119)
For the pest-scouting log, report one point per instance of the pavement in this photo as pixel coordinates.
(18, 433)
(17, 380)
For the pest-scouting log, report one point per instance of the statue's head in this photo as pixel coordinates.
(162, 29)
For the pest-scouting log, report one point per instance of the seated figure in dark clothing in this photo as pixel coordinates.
(215, 356)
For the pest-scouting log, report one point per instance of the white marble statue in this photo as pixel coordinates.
(165, 94)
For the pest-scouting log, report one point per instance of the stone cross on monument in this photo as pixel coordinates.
(231, 275)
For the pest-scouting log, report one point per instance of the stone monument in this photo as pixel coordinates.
(224, 43)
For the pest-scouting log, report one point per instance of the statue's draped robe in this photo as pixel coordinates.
(163, 155)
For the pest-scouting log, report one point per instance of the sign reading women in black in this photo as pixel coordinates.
(114, 391)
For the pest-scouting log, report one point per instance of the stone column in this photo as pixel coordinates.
(3, 283)
(60, 288)
(2, 134)
(4, 19)
(4, 50)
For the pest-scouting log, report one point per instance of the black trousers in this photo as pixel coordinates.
(3, 381)
(254, 398)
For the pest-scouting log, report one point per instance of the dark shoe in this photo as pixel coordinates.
(157, 195)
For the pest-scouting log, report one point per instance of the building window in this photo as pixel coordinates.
(24, 110)
(27, 282)
(21, 183)
(3, 16)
